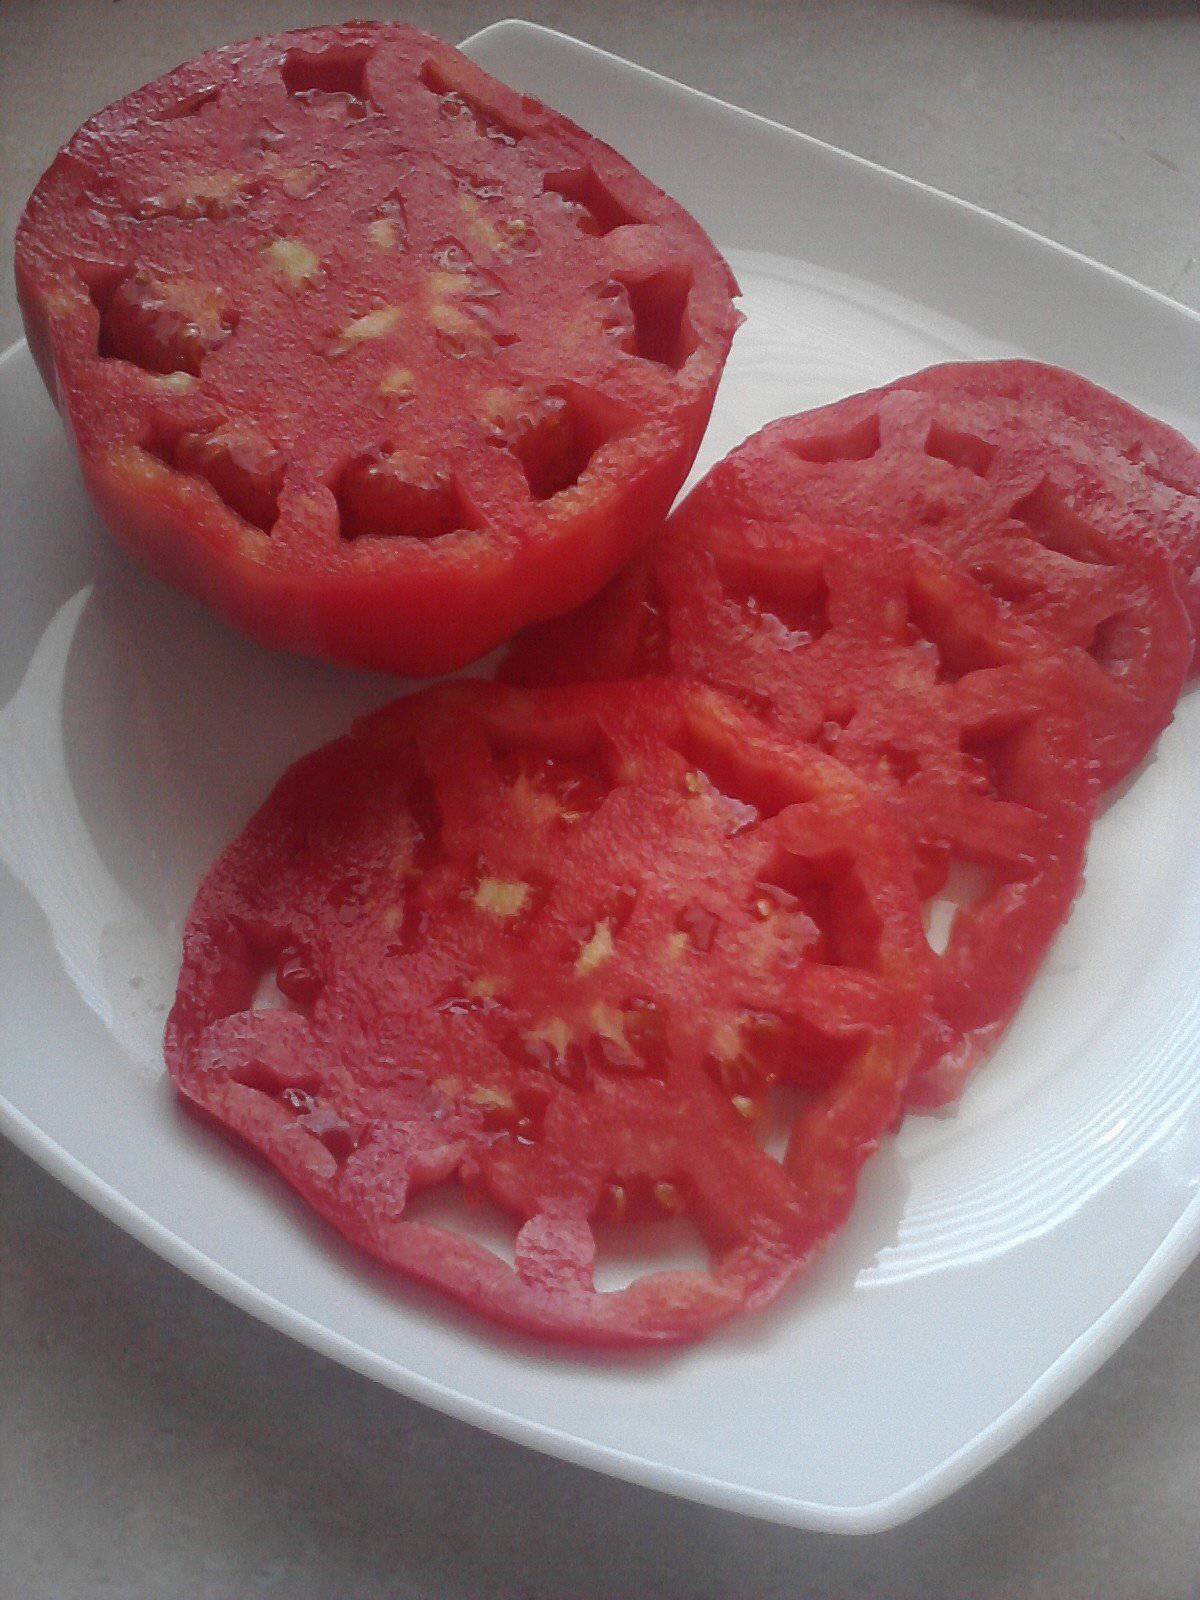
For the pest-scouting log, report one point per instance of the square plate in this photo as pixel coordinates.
(996, 1256)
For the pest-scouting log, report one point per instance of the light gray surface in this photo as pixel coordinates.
(156, 1442)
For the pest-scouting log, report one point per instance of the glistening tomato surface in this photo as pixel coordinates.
(1129, 476)
(901, 462)
(881, 650)
(373, 354)
(573, 952)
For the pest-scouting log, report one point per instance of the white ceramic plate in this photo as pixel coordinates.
(996, 1257)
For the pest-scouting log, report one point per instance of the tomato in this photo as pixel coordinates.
(1006, 493)
(1130, 477)
(572, 952)
(882, 651)
(905, 463)
(376, 356)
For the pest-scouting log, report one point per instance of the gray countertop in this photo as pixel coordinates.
(156, 1442)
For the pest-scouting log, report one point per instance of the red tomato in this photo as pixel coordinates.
(376, 356)
(573, 952)
(880, 649)
(1129, 476)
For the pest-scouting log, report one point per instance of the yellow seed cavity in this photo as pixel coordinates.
(445, 285)
(299, 182)
(398, 383)
(534, 803)
(298, 264)
(745, 1107)
(678, 945)
(375, 325)
(726, 1040)
(448, 1086)
(382, 232)
(498, 407)
(175, 382)
(502, 898)
(668, 1197)
(691, 782)
(460, 331)
(492, 1099)
(609, 1023)
(596, 951)
(451, 319)
(616, 1200)
(479, 226)
(204, 194)
(554, 1031)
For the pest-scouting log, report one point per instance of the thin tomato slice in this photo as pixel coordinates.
(375, 355)
(884, 652)
(1128, 476)
(575, 953)
(996, 490)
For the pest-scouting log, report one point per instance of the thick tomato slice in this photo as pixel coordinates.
(574, 952)
(882, 651)
(373, 354)
(1129, 476)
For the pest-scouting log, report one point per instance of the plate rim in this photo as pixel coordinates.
(1073, 1366)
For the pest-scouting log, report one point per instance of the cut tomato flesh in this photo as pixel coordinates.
(885, 652)
(474, 348)
(1131, 478)
(565, 951)
(903, 463)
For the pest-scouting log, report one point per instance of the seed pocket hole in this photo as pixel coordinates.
(661, 329)
(900, 763)
(268, 996)
(242, 467)
(988, 758)
(551, 438)
(829, 893)
(399, 495)
(1116, 643)
(1048, 517)
(444, 1205)
(780, 1107)
(965, 886)
(1005, 586)
(457, 106)
(933, 617)
(792, 620)
(856, 443)
(160, 324)
(636, 1237)
(260, 1075)
(336, 71)
(959, 449)
(594, 206)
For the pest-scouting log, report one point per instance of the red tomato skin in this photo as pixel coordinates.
(434, 605)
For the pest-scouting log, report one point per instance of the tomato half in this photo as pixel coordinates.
(572, 952)
(882, 651)
(376, 356)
